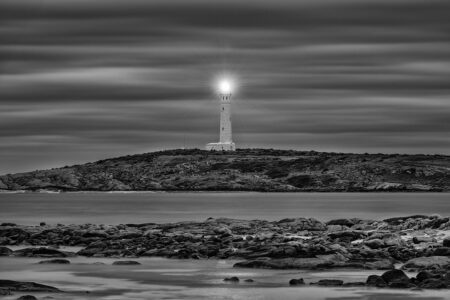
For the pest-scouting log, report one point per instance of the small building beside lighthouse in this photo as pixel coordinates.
(225, 141)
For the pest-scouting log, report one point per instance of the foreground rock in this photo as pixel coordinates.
(19, 286)
(27, 297)
(292, 243)
(125, 263)
(55, 261)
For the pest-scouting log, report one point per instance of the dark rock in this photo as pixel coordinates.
(375, 244)
(126, 262)
(423, 275)
(232, 279)
(347, 236)
(16, 234)
(432, 283)
(41, 252)
(249, 280)
(5, 292)
(20, 286)
(426, 263)
(441, 251)
(422, 239)
(4, 251)
(330, 282)
(8, 224)
(42, 224)
(394, 275)
(55, 261)
(446, 242)
(375, 280)
(299, 281)
(342, 222)
(27, 297)
(401, 284)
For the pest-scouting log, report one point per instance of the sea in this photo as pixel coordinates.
(159, 278)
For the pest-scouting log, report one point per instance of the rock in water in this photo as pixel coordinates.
(299, 281)
(20, 286)
(55, 261)
(375, 280)
(232, 279)
(125, 262)
(394, 275)
(27, 297)
(330, 282)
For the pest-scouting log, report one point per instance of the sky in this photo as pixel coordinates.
(82, 80)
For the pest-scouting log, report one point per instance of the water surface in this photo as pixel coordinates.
(115, 208)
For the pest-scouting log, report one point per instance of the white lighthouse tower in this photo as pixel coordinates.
(225, 142)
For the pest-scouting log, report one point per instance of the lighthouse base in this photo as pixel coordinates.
(221, 147)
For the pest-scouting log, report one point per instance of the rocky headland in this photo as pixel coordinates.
(397, 245)
(244, 170)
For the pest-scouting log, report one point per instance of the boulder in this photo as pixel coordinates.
(41, 252)
(4, 251)
(431, 262)
(375, 280)
(298, 281)
(446, 242)
(27, 297)
(125, 262)
(330, 282)
(342, 222)
(375, 244)
(55, 261)
(20, 286)
(232, 279)
(433, 283)
(394, 276)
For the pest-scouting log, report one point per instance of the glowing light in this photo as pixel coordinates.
(225, 86)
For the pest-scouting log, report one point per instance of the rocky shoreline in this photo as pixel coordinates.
(398, 245)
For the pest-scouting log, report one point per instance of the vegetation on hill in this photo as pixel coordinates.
(244, 170)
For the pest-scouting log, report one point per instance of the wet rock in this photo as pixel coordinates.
(4, 251)
(20, 286)
(375, 280)
(298, 281)
(249, 280)
(394, 276)
(8, 224)
(42, 224)
(432, 283)
(422, 239)
(401, 284)
(446, 242)
(441, 251)
(342, 222)
(4, 292)
(423, 275)
(125, 262)
(55, 261)
(18, 235)
(431, 262)
(41, 252)
(351, 284)
(27, 297)
(330, 282)
(231, 279)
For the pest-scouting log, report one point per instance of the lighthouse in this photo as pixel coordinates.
(226, 141)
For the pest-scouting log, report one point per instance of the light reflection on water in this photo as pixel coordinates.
(188, 279)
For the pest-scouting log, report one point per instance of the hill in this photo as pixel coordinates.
(244, 170)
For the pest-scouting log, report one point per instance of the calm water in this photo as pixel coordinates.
(187, 279)
(114, 208)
